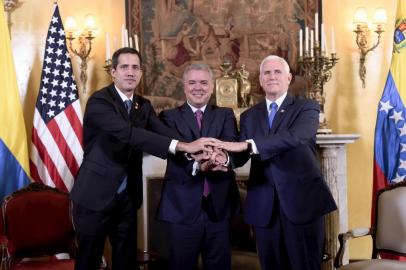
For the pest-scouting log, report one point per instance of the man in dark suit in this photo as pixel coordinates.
(118, 126)
(287, 195)
(199, 196)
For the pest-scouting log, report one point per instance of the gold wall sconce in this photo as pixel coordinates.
(85, 37)
(362, 29)
(9, 7)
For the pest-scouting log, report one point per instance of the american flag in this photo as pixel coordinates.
(56, 147)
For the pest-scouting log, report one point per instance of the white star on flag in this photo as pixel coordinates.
(402, 130)
(397, 116)
(385, 106)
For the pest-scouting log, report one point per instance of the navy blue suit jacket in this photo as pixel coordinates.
(113, 146)
(182, 193)
(286, 167)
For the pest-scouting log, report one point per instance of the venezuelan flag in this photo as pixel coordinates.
(14, 166)
(390, 129)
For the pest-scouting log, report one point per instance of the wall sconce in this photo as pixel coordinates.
(85, 37)
(10, 6)
(362, 30)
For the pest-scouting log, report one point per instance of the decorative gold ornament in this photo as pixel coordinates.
(244, 86)
(316, 68)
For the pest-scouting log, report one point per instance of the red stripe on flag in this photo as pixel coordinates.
(380, 182)
(75, 123)
(64, 148)
(47, 161)
(34, 172)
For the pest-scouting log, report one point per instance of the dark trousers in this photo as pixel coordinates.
(208, 237)
(118, 222)
(283, 245)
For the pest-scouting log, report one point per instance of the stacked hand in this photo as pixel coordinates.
(213, 160)
(210, 153)
(202, 144)
(233, 146)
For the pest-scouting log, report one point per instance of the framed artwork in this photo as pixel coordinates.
(174, 33)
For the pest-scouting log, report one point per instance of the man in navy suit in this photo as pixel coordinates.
(199, 196)
(287, 196)
(118, 126)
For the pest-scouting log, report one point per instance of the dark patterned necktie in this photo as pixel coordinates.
(128, 103)
(199, 118)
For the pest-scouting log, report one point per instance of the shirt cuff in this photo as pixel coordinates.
(172, 147)
(228, 160)
(195, 168)
(254, 147)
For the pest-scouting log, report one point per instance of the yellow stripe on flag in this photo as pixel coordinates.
(399, 51)
(12, 127)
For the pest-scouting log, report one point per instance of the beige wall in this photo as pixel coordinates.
(29, 30)
(352, 109)
(349, 107)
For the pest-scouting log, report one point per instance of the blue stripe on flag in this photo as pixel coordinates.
(12, 175)
(390, 132)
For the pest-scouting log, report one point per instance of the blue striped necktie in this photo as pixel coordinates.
(273, 108)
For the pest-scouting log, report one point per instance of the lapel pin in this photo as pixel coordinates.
(136, 105)
(282, 111)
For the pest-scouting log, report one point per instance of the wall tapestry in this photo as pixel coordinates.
(174, 33)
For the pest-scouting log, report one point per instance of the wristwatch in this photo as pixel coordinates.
(249, 147)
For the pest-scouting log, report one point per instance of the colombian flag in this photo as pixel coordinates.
(390, 130)
(14, 166)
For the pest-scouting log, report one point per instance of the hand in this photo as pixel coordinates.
(221, 157)
(202, 144)
(205, 165)
(201, 156)
(233, 146)
(209, 165)
(214, 161)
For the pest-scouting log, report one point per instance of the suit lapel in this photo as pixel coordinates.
(189, 117)
(263, 117)
(208, 119)
(282, 112)
(118, 102)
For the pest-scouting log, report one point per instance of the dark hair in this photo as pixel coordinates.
(116, 54)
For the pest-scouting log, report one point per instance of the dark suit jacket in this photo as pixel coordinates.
(286, 167)
(113, 146)
(182, 193)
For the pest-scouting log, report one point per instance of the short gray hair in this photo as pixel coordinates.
(198, 66)
(275, 57)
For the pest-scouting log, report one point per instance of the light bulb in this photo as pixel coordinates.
(360, 16)
(380, 16)
(90, 22)
(70, 24)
